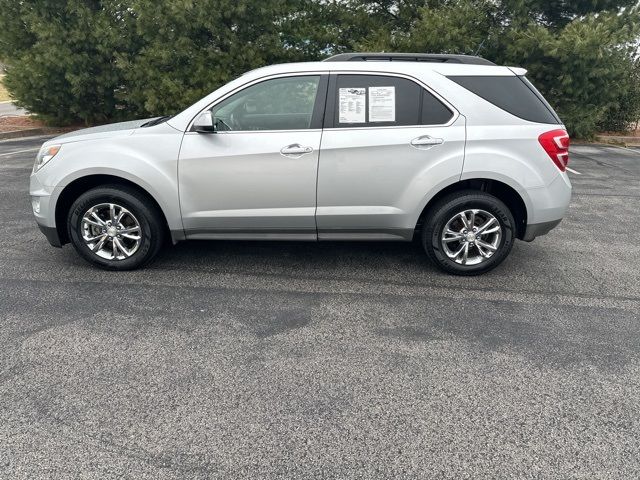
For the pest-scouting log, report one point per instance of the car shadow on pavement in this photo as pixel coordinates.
(258, 255)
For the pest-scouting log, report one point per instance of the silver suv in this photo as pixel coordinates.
(461, 154)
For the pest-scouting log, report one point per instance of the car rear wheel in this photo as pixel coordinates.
(115, 228)
(468, 233)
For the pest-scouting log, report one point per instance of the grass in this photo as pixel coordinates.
(4, 95)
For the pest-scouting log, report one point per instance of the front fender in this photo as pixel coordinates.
(149, 160)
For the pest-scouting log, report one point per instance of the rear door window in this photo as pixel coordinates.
(512, 94)
(379, 100)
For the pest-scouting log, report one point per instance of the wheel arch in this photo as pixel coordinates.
(83, 184)
(504, 192)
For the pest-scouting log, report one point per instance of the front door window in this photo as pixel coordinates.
(278, 104)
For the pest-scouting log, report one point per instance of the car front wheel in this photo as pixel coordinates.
(468, 233)
(115, 228)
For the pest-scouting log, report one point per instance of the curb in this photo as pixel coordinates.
(627, 141)
(31, 132)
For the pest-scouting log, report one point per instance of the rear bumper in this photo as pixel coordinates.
(548, 205)
(536, 229)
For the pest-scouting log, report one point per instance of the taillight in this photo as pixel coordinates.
(556, 144)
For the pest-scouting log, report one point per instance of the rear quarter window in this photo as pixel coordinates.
(512, 94)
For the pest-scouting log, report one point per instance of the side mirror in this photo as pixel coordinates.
(204, 123)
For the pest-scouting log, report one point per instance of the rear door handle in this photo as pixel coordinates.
(426, 141)
(295, 150)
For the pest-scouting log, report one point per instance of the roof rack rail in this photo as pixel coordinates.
(408, 57)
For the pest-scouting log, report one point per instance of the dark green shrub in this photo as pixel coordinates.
(95, 61)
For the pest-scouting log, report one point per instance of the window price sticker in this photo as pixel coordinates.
(382, 104)
(352, 105)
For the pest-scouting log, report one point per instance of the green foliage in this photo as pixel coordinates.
(454, 27)
(557, 13)
(582, 68)
(60, 58)
(99, 60)
(189, 47)
(102, 60)
(624, 113)
(582, 65)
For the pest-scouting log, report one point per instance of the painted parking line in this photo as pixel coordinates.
(19, 151)
(573, 171)
(25, 139)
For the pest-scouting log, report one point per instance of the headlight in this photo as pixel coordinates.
(44, 155)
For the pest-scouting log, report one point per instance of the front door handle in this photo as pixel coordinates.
(426, 141)
(295, 150)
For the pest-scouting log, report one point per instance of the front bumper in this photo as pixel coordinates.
(43, 207)
(52, 235)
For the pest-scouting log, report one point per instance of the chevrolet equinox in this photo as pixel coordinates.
(463, 155)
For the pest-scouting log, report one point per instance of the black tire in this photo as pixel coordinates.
(445, 209)
(150, 220)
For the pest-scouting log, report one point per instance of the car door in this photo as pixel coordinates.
(387, 142)
(255, 176)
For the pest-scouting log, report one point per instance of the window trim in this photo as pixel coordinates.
(329, 114)
(316, 116)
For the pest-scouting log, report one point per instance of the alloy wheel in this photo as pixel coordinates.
(471, 237)
(111, 231)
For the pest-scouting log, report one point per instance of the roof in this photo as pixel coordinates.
(405, 67)
(408, 57)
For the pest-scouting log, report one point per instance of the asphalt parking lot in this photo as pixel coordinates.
(295, 360)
